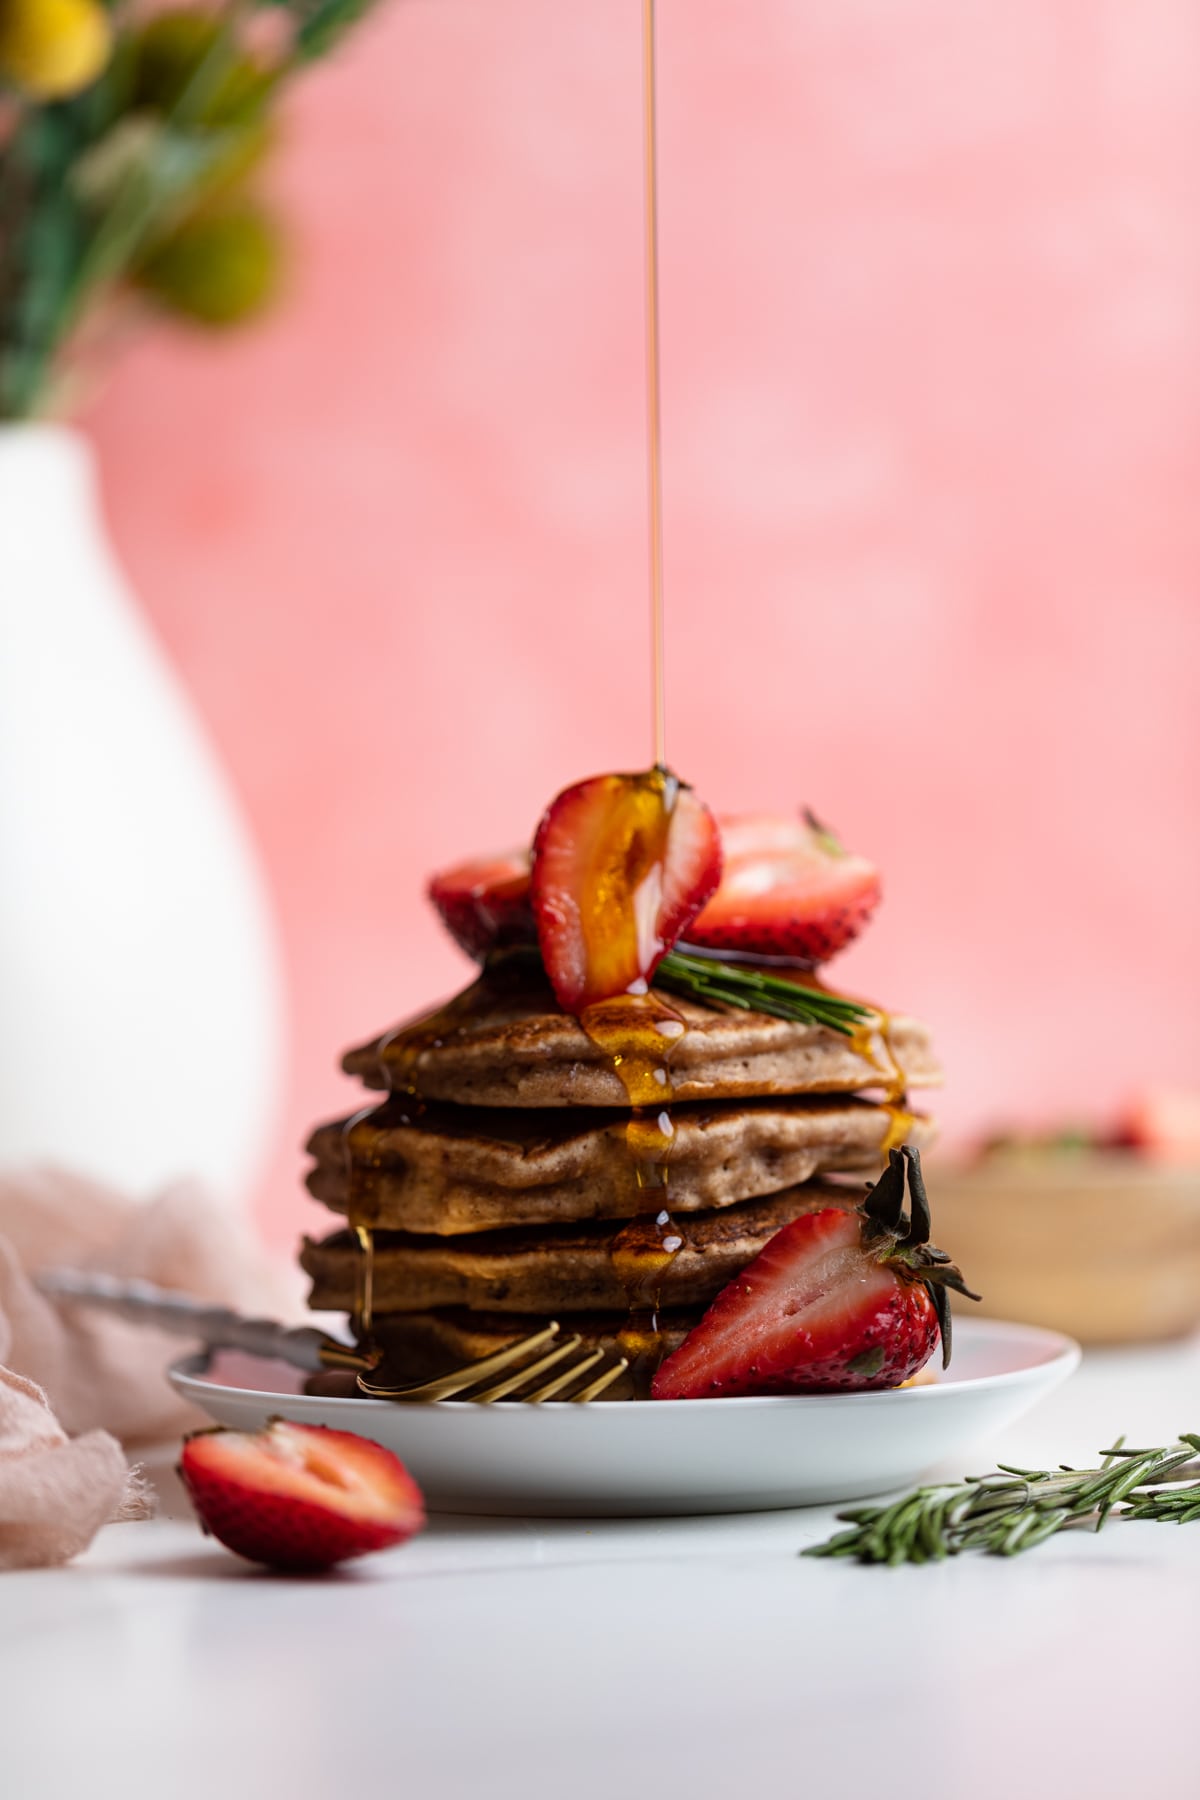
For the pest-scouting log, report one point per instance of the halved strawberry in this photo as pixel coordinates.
(485, 903)
(787, 889)
(300, 1496)
(841, 1299)
(621, 866)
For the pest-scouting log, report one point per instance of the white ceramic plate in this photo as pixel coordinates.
(673, 1456)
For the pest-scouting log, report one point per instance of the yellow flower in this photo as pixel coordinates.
(221, 267)
(53, 48)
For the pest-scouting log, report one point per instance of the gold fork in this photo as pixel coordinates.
(567, 1357)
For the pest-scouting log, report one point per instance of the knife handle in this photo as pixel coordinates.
(215, 1326)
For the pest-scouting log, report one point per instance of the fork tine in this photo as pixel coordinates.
(559, 1382)
(594, 1389)
(500, 1389)
(513, 1357)
(443, 1387)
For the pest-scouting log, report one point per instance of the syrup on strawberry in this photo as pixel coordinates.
(842, 1299)
(621, 866)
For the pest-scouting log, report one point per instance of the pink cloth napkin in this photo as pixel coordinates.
(72, 1381)
(55, 1491)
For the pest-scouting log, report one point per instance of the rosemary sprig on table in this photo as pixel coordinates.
(1015, 1508)
(707, 979)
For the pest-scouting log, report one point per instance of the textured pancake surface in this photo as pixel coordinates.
(449, 1170)
(560, 1269)
(504, 1042)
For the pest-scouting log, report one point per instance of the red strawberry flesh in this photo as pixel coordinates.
(300, 1497)
(787, 889)
(815, 1312)
(621, 866)
(484, 904)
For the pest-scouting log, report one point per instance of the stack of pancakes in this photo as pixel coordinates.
(494, 1187)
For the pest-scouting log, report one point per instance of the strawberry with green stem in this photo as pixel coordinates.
(842, 1299)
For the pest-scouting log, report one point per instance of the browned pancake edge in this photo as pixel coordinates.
(452, 1170)
(562, 1269)
(504, 1042)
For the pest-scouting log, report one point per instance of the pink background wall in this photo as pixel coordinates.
(932, 397)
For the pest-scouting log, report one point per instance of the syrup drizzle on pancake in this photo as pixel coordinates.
(356, 1166)
(873, 1042)
(639, 1033)
(900, 1126)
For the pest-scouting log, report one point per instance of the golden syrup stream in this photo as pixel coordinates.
(638, 1032)
(653, 381)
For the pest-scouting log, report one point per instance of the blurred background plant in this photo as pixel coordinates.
(132, 138)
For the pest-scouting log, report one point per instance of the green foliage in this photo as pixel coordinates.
(319, 24)
(140, 183)
(168, 56)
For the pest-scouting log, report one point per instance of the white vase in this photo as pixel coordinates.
(140, 997)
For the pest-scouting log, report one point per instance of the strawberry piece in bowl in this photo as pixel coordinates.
(621, 866)
(787, 888)
(484, 904)
(300, 1497)
(1163, 1125)
(842, 1299)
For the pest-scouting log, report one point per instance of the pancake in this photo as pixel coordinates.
(417, 1346)
(559, 1270)
(505, 1042)
(450, 1170)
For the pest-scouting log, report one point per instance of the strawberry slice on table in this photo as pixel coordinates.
(621, 866)
(484, 904)
(787, 888)
(300, 1496)
(841, 1299)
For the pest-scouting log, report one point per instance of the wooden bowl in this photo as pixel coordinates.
(1102, 1244)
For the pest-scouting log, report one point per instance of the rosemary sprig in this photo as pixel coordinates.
(705, 978)
(1014, 1509)
(716, 982)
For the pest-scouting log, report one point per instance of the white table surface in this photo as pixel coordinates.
(654, 1658)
